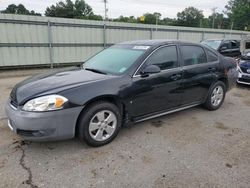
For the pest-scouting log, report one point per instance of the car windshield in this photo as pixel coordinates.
(212, 43)
(115, 60)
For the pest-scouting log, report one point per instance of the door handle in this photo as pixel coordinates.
(211, 69)
(175, 77)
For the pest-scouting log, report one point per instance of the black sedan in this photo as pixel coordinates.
(226, 47)
(128, 82)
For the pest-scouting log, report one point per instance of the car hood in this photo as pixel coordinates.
(53, 82)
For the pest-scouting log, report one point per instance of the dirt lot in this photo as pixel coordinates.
(191, 148)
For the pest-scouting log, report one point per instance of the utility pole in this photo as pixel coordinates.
(156, 23)
(232, 25)
(105, 10)
(104, 23)
(157, 17)
(214, 11)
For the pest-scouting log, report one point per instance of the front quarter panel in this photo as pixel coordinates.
(117, 86)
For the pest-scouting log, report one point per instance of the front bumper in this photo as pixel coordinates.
(243, 78)
(43, 126)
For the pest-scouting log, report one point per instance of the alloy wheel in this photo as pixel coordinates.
(102, 125)
(217, 96)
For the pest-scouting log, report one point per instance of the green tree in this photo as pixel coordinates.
(191, 17)
(82, 9)
(220, 21)
(238, 12)
(130, 19)
(151, 18)
(168, 21)
(68, 9)
(19, 9)
(95, 17)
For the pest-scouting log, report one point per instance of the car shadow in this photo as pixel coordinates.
(74, 145)
(243, 86)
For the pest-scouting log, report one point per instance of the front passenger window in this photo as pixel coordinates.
(165, 58)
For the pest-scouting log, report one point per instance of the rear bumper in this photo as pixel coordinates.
(43, 126)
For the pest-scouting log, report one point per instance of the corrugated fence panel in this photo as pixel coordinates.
(214, 35)
(164, 34)
(23, 33)
(16, 56)
(74, 54)
(36, 40)
(76, 35)
(190, 36)
(120, 35)
(233, 36)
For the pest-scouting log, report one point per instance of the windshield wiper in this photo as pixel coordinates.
(95, 70)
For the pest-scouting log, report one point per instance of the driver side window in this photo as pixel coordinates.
(164, 58)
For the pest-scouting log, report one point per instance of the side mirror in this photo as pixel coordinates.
(150, 69)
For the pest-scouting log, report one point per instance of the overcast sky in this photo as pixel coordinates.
(168, 8)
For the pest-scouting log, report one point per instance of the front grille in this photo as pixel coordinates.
(24, 133)
(244, 80)
(29, 133)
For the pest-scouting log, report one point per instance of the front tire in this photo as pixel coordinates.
(99, 124)
(216, 96)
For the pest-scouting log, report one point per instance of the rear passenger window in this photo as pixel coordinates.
(211, 56)
(226, 45)
(193, 55)
(165, 58)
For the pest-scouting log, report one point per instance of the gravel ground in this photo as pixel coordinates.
(191, 148)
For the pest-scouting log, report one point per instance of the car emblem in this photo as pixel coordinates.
(248, 70)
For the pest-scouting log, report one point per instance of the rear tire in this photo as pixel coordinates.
(99, 124)
(216, 96)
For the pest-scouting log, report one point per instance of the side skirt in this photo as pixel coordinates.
(155, 115)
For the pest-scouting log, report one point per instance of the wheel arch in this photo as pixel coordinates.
(225, 81)
(105, 98)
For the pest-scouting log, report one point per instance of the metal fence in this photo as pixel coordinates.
(39, 41)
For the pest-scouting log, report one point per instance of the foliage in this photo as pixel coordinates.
(239, 12)
(191, 17)
(151, 18)
(19, 9)
(130, 19)
(69, 9)
(220, 21)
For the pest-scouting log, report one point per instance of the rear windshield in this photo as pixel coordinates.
(116, 59)
(212, 43)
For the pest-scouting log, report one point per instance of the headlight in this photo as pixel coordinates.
(45, 103)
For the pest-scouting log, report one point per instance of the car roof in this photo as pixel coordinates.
(155, 42)
(222, 39)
